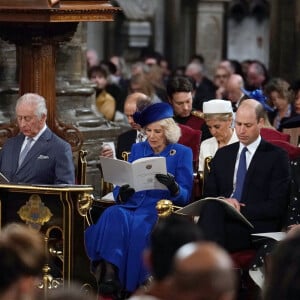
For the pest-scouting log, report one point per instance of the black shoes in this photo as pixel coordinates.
(107, 280)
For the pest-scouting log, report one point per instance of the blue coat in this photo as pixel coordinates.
(123, 230)
(49, 161)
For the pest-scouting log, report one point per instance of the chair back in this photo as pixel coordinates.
(293, 151)
(191, 138)
(270, 134)
(294, 133)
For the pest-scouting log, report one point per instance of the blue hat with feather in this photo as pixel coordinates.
(259, 96)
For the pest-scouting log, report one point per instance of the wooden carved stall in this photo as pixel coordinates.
(59, 213)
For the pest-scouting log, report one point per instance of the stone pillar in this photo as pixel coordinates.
(285, 39)
(138, 26)
(173, 24)
(210, 32)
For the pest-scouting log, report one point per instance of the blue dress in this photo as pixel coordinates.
(123, 230)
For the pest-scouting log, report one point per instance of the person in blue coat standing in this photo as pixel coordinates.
(115, 244)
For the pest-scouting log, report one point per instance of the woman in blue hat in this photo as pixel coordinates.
(116, 242)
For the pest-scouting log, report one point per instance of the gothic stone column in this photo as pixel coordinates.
(210, 32)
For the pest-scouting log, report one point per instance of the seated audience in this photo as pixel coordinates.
(218, 117)
(277, 91)
(202, 270)
(253, 176)
(105, 102)
(22, 258)
(220, 81)
(180, 93)
(141, 83)
(116, 242)
(205, 88)
(234, 87)
(257, 75)
(92, 58)
(293, 121)
(283, 271)
(168, 235)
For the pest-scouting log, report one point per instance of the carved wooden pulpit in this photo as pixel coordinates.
(37, 27)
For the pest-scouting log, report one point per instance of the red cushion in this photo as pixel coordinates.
(191, 138)
(293, 151)
(242, 259)
(272, 134)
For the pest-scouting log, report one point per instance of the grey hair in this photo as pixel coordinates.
(34, 99)
(171, 129)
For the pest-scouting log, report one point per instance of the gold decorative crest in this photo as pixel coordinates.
(34, 212)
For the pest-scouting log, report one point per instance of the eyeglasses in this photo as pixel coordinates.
(25, 118)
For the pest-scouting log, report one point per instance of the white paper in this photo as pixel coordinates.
(194, 209)
(277, 236)
(139, 174)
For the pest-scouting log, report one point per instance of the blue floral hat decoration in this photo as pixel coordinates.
(153, 113)
(259, 96)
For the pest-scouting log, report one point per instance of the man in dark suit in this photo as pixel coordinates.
(36, 155)
(134, 101)
(264, 195)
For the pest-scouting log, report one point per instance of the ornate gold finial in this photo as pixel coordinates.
(84, 203)
(164, 208)
(125, 155)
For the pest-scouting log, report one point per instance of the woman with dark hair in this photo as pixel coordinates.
(116, 242)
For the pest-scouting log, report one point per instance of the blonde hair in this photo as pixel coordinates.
(218, 116)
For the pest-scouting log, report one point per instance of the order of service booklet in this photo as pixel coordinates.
(194, 209)
(140, 174)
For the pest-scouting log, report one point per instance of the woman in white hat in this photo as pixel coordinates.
(218, 116)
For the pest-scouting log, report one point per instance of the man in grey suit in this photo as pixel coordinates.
(263, 197)
(36, 155)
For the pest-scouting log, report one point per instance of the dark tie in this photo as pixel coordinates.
(24, 152)
(240, 175)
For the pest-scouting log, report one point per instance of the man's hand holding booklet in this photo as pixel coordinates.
(195, 208)
(140, 174)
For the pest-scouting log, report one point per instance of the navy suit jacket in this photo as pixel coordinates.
(125, 142)
(266, 187)
(49, 161)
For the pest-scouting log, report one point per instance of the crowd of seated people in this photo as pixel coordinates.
(242, 106)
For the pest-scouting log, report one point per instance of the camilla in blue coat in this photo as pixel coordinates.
(116, 242)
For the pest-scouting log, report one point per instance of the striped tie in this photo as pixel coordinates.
(24, 152)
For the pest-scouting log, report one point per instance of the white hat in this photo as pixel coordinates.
(217, 106)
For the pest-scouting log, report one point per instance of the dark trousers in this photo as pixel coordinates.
(219, 227)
